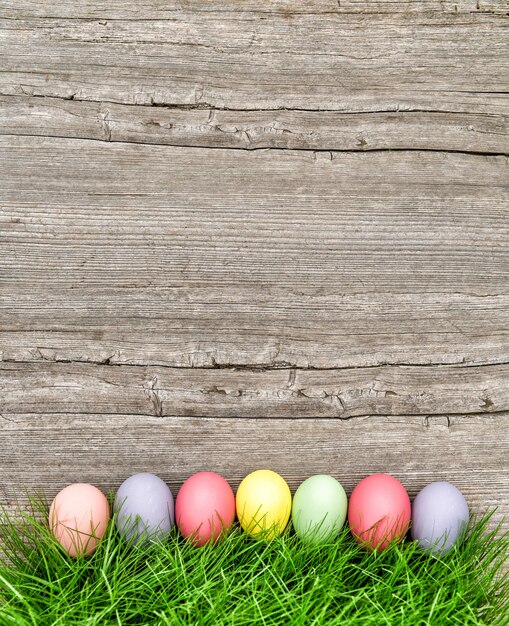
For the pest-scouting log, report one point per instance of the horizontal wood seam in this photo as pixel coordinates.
(205, 106)
(250, 368)
(259, 149)
(428, 417)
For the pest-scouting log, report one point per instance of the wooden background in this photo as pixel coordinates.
(254, 234)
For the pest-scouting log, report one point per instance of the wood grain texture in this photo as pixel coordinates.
(169, 9)
(252, 130)
(436, 62)
(46, 452)
(185, 257)
(237, 235)
(289, 393)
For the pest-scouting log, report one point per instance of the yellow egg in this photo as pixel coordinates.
(263, 503)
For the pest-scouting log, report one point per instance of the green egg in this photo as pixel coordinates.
(319, 509)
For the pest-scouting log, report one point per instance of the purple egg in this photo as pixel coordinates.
(144, 508)
(439, 517)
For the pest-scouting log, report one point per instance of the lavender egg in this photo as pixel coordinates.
(439, 517)
(144, 509)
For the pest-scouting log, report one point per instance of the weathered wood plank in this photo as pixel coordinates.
(45, 452)
(345, 62)
(189, 257)
(290, 393)
(168, 9)
(302, 130)
(294, 331)
(317, 332)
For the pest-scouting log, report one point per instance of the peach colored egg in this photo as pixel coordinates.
(78, 518)
(205, 507)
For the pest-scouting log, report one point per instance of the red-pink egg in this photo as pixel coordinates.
(78, 518)
(379, 511)
(205, 507)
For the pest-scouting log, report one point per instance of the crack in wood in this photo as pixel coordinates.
(46, 355)
(155, 398)
(437, 420)
(428, 420)
(7, 419)
(327, 152)
(201, 106)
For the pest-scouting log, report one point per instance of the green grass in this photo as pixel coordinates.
(243, 581)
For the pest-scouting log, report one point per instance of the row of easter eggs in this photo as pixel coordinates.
(379, 511)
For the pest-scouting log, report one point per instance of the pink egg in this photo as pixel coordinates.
(205, 507)
(379, 511)
(78, 518)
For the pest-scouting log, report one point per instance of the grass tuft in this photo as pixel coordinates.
(247, 581)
